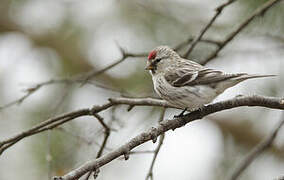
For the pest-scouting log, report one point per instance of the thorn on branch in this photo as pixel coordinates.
(110, 100)
(126, 54)
(96, 173)
(154, 139)
(31, 89)
(154, 134)
(122, 51)
(221, 7)
(126, 155)
(130, 107)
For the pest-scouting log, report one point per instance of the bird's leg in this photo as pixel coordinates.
(180, 114)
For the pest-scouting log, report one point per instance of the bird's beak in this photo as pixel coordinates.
(149, 67)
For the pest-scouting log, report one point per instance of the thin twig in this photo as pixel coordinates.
(261, 147)
(56, 109)
(106, 136)
(189, 40)
(258, 12)
(43, 126)
(166, 125)
(80, 138)
(101, 121)
(32, 90)
(28, 91)
(125, 55)
(218, 11)
(157, 150)
(81, 78)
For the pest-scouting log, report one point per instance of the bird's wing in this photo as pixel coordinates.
(187, 77)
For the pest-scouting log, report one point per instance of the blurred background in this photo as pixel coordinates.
(42, 40)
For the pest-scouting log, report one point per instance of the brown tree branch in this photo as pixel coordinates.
(218, 12)
(154, 132)
(157, 150)
(61, 119)
(258, 12)
(261, 147)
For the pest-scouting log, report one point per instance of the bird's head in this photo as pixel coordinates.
(160, 58)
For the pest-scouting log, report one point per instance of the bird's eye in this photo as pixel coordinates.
(158, 60)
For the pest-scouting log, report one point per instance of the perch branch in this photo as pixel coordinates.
(154, 132)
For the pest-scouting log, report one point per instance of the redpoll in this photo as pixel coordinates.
(186, 84)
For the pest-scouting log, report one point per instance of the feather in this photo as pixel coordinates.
(205, 76)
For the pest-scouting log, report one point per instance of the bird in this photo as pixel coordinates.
(186, 84)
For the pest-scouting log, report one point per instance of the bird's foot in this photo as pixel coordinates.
(180, 114)
(200, 108)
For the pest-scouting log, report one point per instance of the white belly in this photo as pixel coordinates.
(191, 97)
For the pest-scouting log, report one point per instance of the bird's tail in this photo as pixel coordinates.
(237, 78)
(244, 76)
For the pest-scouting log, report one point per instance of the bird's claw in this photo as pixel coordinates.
(180, 114)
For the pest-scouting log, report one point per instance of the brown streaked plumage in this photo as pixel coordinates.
(187, 84)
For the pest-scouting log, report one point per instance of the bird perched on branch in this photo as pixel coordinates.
(186, 84)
